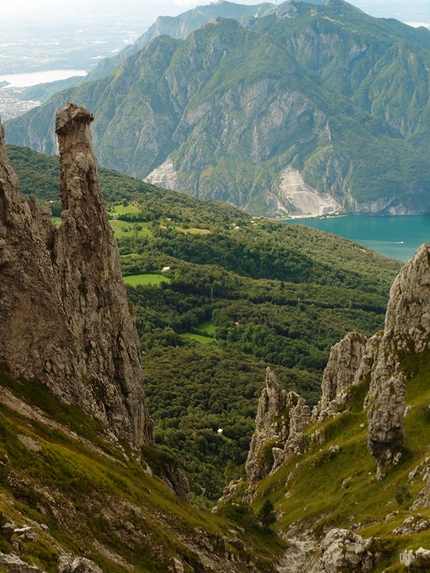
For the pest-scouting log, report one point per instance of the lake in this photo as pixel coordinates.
(394, 237)
(34, 78)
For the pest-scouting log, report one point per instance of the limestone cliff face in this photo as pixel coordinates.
(340, 373)
(281, 419)
(407, 331)
(64, 313)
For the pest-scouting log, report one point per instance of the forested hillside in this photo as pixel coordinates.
(237, 295)
(307, 109)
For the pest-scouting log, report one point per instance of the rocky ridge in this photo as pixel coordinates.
(283, 419)
(407, 328)
(282, 416)
(64, 315)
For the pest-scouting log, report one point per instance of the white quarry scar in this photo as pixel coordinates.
(303, 199)
(163, 176)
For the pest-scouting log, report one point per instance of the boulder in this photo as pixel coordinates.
(71, 564)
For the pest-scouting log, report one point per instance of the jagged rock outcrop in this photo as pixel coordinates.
(175, 478)
(281, 419)
(70, 564)
(343, 550)
(419, 559)
(340, 550)
(64, 314)
(386, 361)
(412, 525)
(340, 373)
(407, 331)
(11, 563)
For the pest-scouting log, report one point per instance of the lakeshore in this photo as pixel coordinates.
(395, 237)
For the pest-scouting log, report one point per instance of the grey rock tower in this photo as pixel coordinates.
(64, 314)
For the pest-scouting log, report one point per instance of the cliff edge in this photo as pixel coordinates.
(65, 319)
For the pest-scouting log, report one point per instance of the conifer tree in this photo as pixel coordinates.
(266, 516)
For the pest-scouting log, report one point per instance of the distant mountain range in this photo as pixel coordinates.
(280, 110)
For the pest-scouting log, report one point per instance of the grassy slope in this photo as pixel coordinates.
(276, 295)
(60, 474)
(321, 489)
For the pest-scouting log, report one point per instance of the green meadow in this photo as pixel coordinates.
(198, 338)
(127, 229)
(145, 279)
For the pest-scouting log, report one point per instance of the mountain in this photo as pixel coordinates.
(83, 489)
(269, 87)
(181, 26)
(240, 295)
(308, 110)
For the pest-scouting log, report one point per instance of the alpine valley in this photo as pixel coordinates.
(186, 388)
(296, 109)
(86, 487)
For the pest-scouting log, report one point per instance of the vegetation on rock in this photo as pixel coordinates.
(261, 293)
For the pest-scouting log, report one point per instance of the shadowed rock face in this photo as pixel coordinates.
(407, 331)
(339, 374)
(64, 313)
(281, 418)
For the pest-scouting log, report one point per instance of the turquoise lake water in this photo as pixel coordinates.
(394, 237)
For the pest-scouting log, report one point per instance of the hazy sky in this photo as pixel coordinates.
(148, 10)
(23, 7)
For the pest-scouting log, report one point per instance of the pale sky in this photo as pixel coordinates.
(411, 11)
(20, 7)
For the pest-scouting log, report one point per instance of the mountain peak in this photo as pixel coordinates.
(64, 316)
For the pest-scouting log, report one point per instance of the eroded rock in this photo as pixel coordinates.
(70, 564)
(419, 559)
(343, 550)
(340, 373)
(413, 524)
(175, 478)
(11, 563)
(281, 419)
(64, 313)
(407, 331)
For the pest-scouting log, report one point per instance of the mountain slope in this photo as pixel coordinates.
(180, 26)
(73, 500)
(68, 490)
(75, 497)
(339, 510)
(308, 110)
(240, 295)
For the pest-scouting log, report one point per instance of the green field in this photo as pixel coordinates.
(194, 231)
(125, 210)
(207, 327)
(127, 229)
(198, 338)
(122, 228)
(146, 279)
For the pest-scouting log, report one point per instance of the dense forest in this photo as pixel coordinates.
(238, 295)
